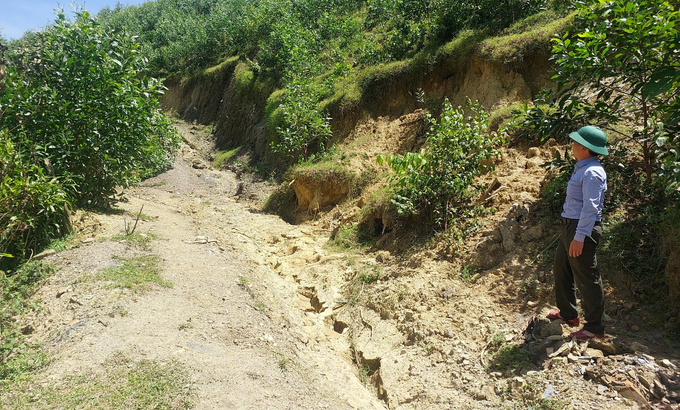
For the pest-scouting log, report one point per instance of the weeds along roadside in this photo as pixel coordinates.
(17, 358)
(136, 384)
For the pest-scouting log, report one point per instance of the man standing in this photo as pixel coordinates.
(575, 261)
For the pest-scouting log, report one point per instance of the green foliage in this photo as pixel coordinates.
(512, 46)
(409, 25)
(124, 383)
(468, 273)
(553, 190)
(223, 157)
(352, 238)
(440, 177)
(139, 240)
(619, 65)
(32, 206)
(80, 98)
(322, 54)
(16, 289)
(286, 37)
(512, 358)
(531, 397)
(303, 127)
(368, 275)
(135, 273)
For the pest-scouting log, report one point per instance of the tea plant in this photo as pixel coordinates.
(80, 98)
(440, 177)
(32, 206)
(619, 66)
(303, 126)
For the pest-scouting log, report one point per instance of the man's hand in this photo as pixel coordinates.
(575, 248)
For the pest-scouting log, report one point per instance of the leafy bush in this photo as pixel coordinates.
(619, 66)
(80, 98)
(303, 127)
(32, 206)
(440, 176)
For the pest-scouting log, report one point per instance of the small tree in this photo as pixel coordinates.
(303, 127)
(440, 177)
(620, 65)
(80, 98)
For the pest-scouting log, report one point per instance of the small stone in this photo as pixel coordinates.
(517, 383)
(45, 254)
(607, 347)
(635, 328)
(593, 353)
(382, 256)
(552, 329)
(649, 358)
(88, 240)
(646, 380)
(639, 347)
(533, 152)
(61, 291)
(602, 389)
(668, 364)
(629, 391)
(549, 391)
(479, 395)
(658, 390)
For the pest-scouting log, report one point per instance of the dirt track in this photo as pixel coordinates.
(259, 310)
(229, 316)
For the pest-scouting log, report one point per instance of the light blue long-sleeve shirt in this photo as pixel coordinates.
(585, 196)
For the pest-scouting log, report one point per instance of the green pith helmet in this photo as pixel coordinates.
(592, 138)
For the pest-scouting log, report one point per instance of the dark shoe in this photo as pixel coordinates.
(555, 314)
(586, 335)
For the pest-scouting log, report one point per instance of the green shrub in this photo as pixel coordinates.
(625, 51)
(302, 128)
(440, 177)
(32, 206)
(80, 97)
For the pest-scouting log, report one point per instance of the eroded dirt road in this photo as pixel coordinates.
(265, 314)
(251, 337)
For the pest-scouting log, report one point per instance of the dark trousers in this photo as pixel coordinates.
(582, 273)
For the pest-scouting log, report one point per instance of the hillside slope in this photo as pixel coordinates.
(429, 322)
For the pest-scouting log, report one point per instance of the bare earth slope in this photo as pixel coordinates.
(264, 314)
